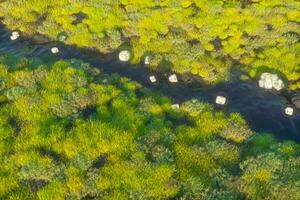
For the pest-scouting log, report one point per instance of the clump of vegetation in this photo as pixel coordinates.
(69, 132)
(206, 38)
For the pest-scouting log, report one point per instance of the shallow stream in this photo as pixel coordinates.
(263, 110)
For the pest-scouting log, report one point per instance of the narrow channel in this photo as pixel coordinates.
(263, 110)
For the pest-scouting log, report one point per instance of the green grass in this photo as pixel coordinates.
(206, 38)
(64, 134)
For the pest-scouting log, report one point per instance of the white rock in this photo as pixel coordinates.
(264, 75)
(147, 60)
(54, 50)
(278, 85)
(270, 81)
(175, 106)
(221, 100)
(261, 83)
(152, 79)
(173, 78)
(289, 111)
(124, 56)
(268, 84)
(15, 35)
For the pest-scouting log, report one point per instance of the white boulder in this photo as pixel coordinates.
(54, 50)
(15, 35)
(278, 85)
(270, 81)
(124, 56)
(289, 111)
(152, 79)
(147, 60)
(173, 78)
(220, 100)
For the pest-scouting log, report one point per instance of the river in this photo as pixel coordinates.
(263, 110)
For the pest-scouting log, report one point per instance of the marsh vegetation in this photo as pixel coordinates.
(67, 131)
(204, 37)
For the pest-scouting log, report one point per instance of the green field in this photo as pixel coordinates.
(208, 38)
(69, 132)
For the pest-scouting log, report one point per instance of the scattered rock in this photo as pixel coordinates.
(270, 81)
(55, 50)
(173, 78)
(152, 79)
(220, 100)
(289, 111)
(124, 56)
(15, 35)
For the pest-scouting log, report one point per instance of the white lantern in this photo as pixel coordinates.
(220, 100)
(152, 79)
(147, 60)
(15, 35)
(173, 78)
(54, 50)
(124, 56)
(175, 106)
(289, 111)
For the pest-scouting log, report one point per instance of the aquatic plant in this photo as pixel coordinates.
(70, 135)
(206, 38)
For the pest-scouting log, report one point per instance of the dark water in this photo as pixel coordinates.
(262, 109)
